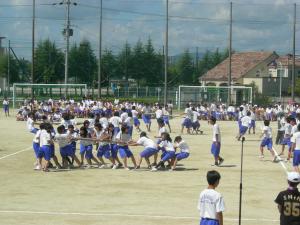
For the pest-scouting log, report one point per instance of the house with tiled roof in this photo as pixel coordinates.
(262, 68)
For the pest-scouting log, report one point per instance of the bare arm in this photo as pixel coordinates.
(220, 218)
(279, 208)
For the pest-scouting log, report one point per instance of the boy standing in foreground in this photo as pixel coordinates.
(211, 204)
(288, 201)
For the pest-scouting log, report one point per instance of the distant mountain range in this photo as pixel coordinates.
(175, 58)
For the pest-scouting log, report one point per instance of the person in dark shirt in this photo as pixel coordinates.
(288, 201)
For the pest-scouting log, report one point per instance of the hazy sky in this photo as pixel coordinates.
(257, 24)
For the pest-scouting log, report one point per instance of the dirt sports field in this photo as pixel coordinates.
(113, 197)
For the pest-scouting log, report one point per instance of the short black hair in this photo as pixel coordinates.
(213, 119)
(143, 134)
(266, 122)
(178, 139)
(61, 129)
(213, 177)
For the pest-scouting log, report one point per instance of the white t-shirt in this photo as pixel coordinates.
(129, 121)
(189, 113)
(210, 203)
(267, 132)
(115, 120)
(62, 140)
(146, 142)
(5, 102)
(124, 116)
(287, 130)
(29, 124)
(159, 114)
(45, 138)
(161, 130)
(195, 116)
(134, 113)
(246, 121)
(183, 146)
(123, 137)
(216, 131)
(167, 145)
(104, 122)
(296, 139)
(36, 138)
(294, 129)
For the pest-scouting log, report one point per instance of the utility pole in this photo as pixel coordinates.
(8, 68)
(166, 52)
(294, 52)
(230, 55)
(67, 35)
(197, 58)
(32, 47)
(100, 51)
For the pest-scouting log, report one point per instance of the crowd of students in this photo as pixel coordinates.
(109, 127)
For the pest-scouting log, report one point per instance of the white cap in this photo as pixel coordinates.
(294, 177)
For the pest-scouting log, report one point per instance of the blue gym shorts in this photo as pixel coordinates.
(87, 151)
(267, 142)
(114, 150)
(205, 221)
(146, 119)
(67, 151)
(125, 152)
(243, 130)
(46, 152)
(136, 121)
(182, 155)
(36, 148)
(296, 159)
(148, 152)
(215, 149)
(168, 155)
(104, 150)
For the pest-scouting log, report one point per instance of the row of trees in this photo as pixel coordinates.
(140, 62)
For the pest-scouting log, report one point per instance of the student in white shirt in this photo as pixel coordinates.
(123, 138)
(30, 124)
(166, 117)
(245, 123)
(287, 135)
(116, 122)
(211, 203)
(65, 146)
(267, 140)
(150, 149)
(216, 145)
(184, 151)
(6, 107)
(169, 150)
(296, 149)
(136, 121)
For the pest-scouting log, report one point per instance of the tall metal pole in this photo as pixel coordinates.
(230, 55)
(32, 47)
(67, 34)
(8, 68)
(280, 82)
(166, 51)
(294, 52)
(100, 51)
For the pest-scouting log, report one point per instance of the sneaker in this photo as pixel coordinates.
(171, 170)
(126, 168)
(88, 167)
(261, 156)
(154, 164)
(38, 167)
(120, 165)
(149, 167)
(216, 164)
(137, 167)
(221, 161)
(102, 166)
(154, 169)
(115, 167)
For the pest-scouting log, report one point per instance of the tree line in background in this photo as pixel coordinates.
(140, 62)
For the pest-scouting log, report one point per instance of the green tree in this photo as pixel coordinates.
(83, 63)
(49, 67)
(14, 68)
(185, 68)
(109, 66)
(124, 61)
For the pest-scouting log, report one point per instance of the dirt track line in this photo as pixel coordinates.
(126, 215)
(24, 150)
